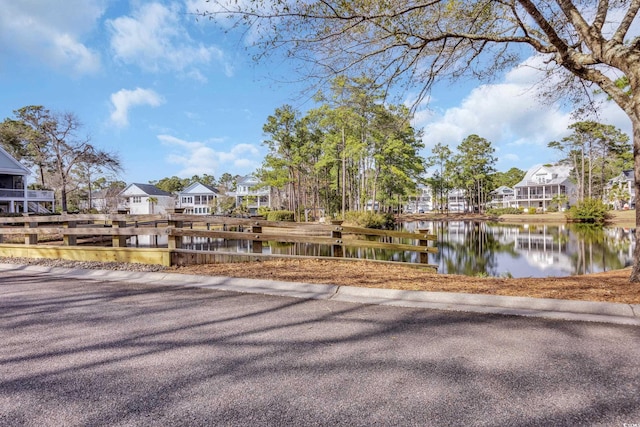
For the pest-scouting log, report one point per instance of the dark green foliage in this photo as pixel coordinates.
(288, 216)
(371, 220)
(508, 178)
(504, 211)
(592, 211)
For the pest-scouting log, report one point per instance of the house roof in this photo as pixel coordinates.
(502, 190)
(197, 187)
(248, 180)
(624, 177)
(144, 190)
(559, 174)
(10, 166)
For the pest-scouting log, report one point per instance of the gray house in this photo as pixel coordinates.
(14, 195)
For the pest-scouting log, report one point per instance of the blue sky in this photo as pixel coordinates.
(173, 95)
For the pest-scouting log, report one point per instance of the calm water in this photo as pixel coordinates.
(481, 248)
(528, 250)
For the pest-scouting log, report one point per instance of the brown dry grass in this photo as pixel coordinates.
(611, 286)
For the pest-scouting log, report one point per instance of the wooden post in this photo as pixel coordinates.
(175, 242)
(423, 242)
(336, 234)
(118, 241)
(67, 239)
(31, 239)
(256, 245)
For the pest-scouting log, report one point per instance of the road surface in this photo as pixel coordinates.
(91, 353)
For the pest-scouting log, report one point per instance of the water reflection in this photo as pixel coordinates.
(481, 248)
(494, 249)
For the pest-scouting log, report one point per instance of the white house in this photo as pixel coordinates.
(250, 193)
(456, 201)
(198, 199)
(503, 197)
(144, 199)
(544, 182)
(625, 198)
(14, 195)
(422, 202)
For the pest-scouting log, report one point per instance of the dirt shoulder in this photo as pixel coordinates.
(610, 286)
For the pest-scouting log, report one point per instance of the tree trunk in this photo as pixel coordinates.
(635, 121)
(344, 173)
(63, 197)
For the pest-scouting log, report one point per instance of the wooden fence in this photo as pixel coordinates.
(104, 238)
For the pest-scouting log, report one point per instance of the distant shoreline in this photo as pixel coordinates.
(624, 219)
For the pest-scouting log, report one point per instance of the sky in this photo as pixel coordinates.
(172, 94)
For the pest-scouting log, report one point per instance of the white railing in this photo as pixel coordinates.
(41, 195)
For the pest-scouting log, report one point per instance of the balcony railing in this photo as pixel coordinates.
(537, 196)
(35, 195)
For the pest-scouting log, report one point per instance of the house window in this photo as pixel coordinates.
(136, 199)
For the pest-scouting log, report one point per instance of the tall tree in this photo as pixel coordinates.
(173, 184)
(509, 178)
(227, 182)
(475, 164)
(51, 142)
(93, 164)
(281, 166)
(440, 155)
(596, 152)
(415, 44)
(26, 139)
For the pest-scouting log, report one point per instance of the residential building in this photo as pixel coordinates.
(457, 202)
(14, 195)
(101, 201)
(421, 202)
(251, 194)
(620, 190)
(145, 199)
(502, 197)
(543, 185)
(198, 199)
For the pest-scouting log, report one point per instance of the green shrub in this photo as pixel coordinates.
(371, 220)
(264, 211)
(531, 211)
(552, 209)
(504, 211)
(592, 211)
(288, 216)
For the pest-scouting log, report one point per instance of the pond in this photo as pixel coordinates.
(482, 248)
(528, 250)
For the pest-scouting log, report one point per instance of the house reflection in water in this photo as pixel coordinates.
(543, 248)
(528, 250)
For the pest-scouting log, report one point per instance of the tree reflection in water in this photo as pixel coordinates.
(476, 248)
(528, 250)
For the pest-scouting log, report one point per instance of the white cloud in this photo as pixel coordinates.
(123, 100)
(198, 158)
(155, 39)
(52, 33)
(512, 116)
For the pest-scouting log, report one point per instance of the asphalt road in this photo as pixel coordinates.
(78, 352)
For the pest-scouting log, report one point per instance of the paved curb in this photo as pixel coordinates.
(617, 313)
